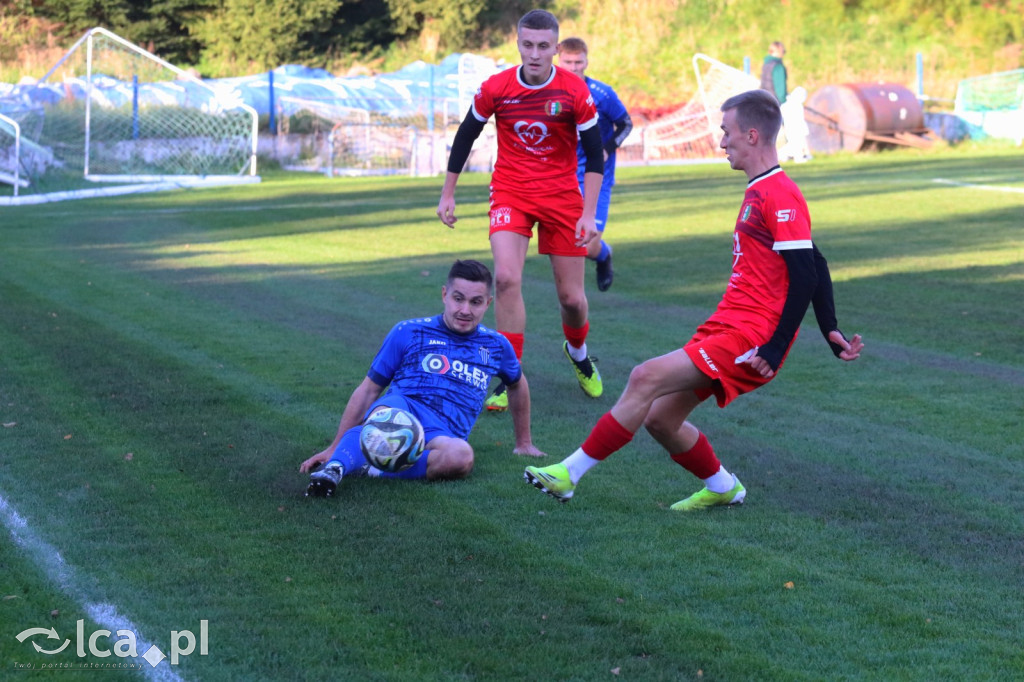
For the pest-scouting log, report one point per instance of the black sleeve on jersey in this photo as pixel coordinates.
(469, 130)
(803, 281)
(823, 302)
(591, 141)
(621, 129)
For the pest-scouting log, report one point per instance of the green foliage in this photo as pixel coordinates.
(78, 16)
(642, 48)
(451, 22)
(262, 34)
(167, 28)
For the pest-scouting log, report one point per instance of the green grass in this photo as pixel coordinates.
(167, 361)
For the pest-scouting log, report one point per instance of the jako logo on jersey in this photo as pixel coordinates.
(785, 215)
(435, 364)
(501, 216)
(553, 108)
(746, 213)
(532, 134)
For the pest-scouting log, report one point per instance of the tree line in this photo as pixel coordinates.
(227, 37)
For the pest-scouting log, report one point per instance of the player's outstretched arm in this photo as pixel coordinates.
(519, 406)
(825, 314)
(358, 403)
(849, 349)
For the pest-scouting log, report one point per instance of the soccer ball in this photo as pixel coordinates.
(391, 439)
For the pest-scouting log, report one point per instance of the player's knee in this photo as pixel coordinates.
(506, 278)
(643, 380)
(659, 428)
(455, 460)
(573, 301)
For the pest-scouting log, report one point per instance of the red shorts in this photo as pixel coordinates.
(715, 349)
(555, 215)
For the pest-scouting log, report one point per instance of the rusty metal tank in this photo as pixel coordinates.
(851, 116)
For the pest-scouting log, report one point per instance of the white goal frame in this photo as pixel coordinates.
(13, 177)
(192, 168)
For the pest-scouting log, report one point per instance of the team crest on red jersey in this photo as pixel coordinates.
(746, 213)
(553, 108)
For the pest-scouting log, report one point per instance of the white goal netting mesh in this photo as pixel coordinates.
(693, 131)
(335, 139)
(993, 105)
(109, 111)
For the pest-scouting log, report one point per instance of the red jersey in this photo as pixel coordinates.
(773, 218)
(537, 129)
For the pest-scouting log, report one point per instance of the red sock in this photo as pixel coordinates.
(700, 460)
(516, 340)
(607, 436)
(576, 336)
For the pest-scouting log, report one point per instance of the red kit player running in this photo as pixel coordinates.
(777, 272)
(540, 110)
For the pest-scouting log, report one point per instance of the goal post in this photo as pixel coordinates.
(10, 154)
(110, 112)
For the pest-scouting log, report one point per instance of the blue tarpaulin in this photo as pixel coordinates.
(414, 89)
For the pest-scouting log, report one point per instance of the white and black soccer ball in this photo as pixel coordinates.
(391, 439)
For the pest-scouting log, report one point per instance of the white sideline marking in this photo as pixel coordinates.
(987, 188)
(120, 190)
(47, 558)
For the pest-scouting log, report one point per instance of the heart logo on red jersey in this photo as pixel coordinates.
(532, 134)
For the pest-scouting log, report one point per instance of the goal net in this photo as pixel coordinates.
(693, 131)
(339, 140)
(391, 132)
(993, 105)
(110, 112)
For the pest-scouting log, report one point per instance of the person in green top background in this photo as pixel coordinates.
(773, 72)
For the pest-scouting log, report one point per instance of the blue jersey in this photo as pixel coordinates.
(445, 372)
(609, 110)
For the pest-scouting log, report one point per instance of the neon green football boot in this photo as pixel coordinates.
(586, 373)
(498, 402)
(554, 480)
(705, 499)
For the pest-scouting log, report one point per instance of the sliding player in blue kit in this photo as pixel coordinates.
(438, 368)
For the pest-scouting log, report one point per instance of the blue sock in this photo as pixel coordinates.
(348, 452)
(416, 471)
(605, 252)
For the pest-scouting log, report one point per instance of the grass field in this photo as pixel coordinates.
(167, 361)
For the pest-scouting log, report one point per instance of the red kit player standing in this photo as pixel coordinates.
(540, 111)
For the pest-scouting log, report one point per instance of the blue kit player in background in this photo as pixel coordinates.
(439, 369)
(615, 125)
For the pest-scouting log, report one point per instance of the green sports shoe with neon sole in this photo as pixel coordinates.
(705, 499)
(554, 480)
(586, 373)
(498, 402)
